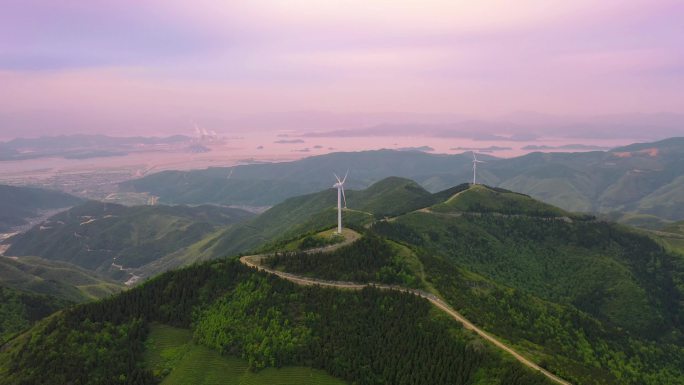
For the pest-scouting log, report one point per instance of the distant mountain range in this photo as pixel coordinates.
(639, 184)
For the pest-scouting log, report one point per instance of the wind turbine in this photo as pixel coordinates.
(340, 195)
(475, 162)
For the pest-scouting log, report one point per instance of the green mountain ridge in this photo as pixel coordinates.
(55, 278)
(32, 288)
(311, 212)
(485, 199)
(337, 331)
(98, 235)
(594, 302)
(18, 204)
(638, 179)
(19, 310)
(591, 290)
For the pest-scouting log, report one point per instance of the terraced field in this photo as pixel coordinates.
(171, 352)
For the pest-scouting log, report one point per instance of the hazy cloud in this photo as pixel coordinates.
(587, 147)
(127, 66)
(482, 149)
(418, 149)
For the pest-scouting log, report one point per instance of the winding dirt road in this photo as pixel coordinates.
(254, 261)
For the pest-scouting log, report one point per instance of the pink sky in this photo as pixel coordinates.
(154, 67)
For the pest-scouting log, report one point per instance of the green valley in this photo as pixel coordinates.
(508, 262)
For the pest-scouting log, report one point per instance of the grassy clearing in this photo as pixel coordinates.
(172, 354)
(670, 236)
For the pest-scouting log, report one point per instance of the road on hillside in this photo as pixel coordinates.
(254, 261)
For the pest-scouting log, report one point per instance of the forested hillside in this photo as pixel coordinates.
(19, 310)
(101, 236)
(18, 204)
(32, 288)
(593, 302)
(299, 215)
(366, 337)
(59, 279)
(370, 259)
(577, 294)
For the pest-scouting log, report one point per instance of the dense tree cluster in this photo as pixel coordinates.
(370, 259)
(19, 310)
(69, 351)
(601, 304)
(60, 350)
(365, 337)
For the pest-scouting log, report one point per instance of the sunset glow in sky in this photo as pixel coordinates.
(153, 67)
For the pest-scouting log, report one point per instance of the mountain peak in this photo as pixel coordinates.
(480, 198)
(393, 182)
(392, 196)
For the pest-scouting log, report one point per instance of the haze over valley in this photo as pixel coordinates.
(326, 193)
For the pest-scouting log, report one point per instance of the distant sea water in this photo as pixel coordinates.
(270, 147)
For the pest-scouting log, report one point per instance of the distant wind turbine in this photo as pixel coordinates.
(475, 162)
(340, 195)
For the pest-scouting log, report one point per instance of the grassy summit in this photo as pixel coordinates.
(484, 199)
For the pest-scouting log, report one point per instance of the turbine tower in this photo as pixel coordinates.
(475, 162)
(340, 195)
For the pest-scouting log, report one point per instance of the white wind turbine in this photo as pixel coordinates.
(475, 162)
(340, 195)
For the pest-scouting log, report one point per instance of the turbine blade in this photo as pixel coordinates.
(337, 177)
(344, 197)
(345, 176)
(474, 157)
